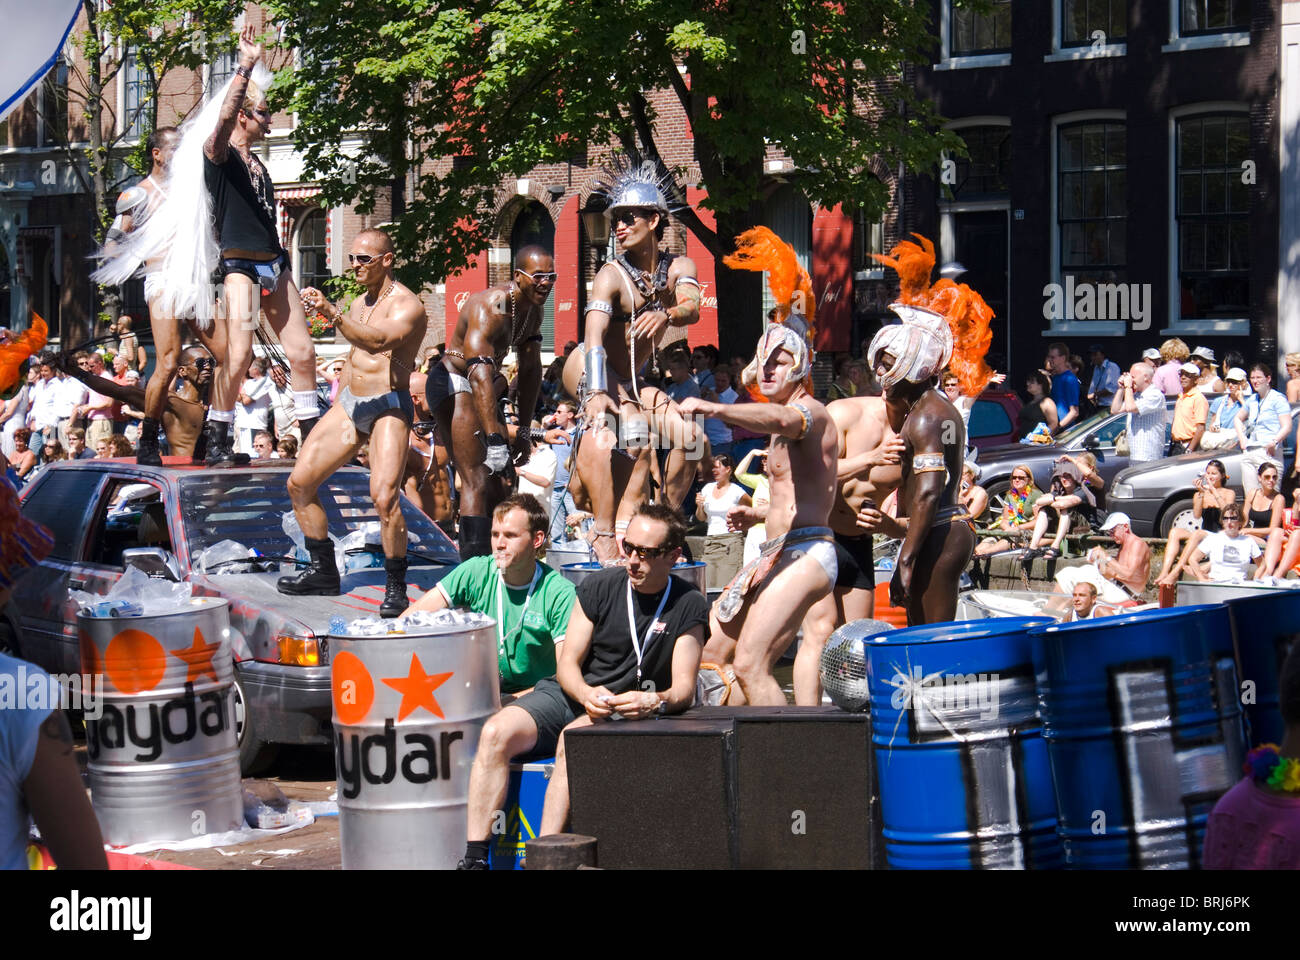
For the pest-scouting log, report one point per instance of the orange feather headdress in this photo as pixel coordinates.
(13, 353)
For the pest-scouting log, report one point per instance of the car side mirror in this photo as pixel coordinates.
(1091, 442)
(153, 561)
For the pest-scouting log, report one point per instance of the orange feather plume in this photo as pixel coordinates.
(13, 353)
(969, 317)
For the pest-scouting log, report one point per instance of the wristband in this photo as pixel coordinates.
(244, 72)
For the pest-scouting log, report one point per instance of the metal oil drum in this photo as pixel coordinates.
(1144, 731)
(964, 778)
(558, 553)
(163, 754)
(408, 712)
(693, 572)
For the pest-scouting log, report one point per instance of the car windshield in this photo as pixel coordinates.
(1079, 429)
(248, 506)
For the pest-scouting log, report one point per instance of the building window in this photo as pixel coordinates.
(1081, 19)
(1213, 213)
(868, 239)
(137, 93)
(982, 174)
(1198, 17)
(54, 106)
(974, 33)
(222, 69)
(1092, 201)
(313, 250)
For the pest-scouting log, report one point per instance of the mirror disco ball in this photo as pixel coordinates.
(844, 664)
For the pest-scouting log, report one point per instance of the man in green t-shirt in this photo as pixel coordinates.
(531, 603)
(529, 600)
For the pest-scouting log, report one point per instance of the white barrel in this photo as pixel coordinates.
(1193, 592)
(163, 754)
(693, 572)
(984, 604)
(558, 553)
(408, 712)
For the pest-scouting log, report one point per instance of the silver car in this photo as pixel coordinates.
(106, 514)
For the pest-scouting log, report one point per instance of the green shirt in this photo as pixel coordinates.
(523, 656)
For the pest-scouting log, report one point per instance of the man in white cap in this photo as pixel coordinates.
(1118, 578)
(1152, 356)
(1191, 410)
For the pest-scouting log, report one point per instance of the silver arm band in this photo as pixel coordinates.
(806, 415)
(691, 280)
(594, 365)
(601, 306)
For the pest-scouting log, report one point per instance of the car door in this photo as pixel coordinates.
(131, 512)
(1104, 437)
(61, 500)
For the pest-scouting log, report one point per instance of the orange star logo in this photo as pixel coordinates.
(417, 689)
(198, 658)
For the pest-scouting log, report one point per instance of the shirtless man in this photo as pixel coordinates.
(868, 471)
(133, 208)
(937, 537)
(253, 267)
(385, 326)
(183, 410)
(425, 483)
(634, 299)
(463, 390)
(757, 615)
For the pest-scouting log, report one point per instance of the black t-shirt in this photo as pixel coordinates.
(611, 660)
(240, 217)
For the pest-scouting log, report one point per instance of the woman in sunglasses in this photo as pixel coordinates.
(1017, 512)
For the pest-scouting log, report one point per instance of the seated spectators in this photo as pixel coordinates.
(1282, 551)
(1230, 551)
(1264, 505)
(1086, 464)
(120, 446)
(1256, 824)
(1017, 512)
(1219, 430)
(287, 448)
(973, 497)
(77, 449)
(1069, 503)
(23, 462)
(53, 450)
(1119, 578)
(1211, 497)
(263, 448)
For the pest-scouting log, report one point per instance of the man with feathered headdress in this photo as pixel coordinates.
(761, 608)
(635, 298)
(907, 358)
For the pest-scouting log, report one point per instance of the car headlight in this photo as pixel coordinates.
(1122, 491)
(298, 651)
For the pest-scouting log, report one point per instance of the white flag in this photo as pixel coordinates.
(33, 35)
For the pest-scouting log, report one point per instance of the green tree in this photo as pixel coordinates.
(505, 85)
(107, 150)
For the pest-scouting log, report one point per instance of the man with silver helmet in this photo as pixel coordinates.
(935, 529)
(634, 299)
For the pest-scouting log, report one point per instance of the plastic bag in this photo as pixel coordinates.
(221, 552)
(359, 540)
(135, 588)
(289, 524)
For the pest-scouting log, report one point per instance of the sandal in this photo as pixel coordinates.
(1050, 553)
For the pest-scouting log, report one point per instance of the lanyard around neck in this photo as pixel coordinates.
(501, 623)
(643, 644)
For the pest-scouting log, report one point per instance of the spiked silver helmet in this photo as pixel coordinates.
(633, 183)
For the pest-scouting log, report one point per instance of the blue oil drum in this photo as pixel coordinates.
(525, 798)
(1264, 629)
(963, 771)
(1144, 730)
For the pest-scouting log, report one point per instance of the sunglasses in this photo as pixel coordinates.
(540, 277)
(361, 259)
(260, 113)
(1018, 476)
(206, 363)
(645, 553)
(629, 217)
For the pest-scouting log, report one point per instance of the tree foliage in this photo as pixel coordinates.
(387, 90)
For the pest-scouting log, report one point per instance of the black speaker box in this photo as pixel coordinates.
(748, 787)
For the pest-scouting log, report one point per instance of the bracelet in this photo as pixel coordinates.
(244, 72)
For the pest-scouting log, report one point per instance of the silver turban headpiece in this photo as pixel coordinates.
(793, 335)
(921, 345)
(633, 183)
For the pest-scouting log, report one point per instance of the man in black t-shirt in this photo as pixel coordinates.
(604, 672)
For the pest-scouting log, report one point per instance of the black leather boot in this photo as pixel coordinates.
(221, 448)
(304, 426)
(146, 451)
(320, 579)
(475, 537)
(395, 601)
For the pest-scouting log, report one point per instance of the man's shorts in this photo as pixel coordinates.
(857, 564)
(552, 711)
(364, 411)
(442, 385)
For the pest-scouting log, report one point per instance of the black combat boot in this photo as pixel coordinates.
(220, 446)
(395, 601)
(146, 450)
(320, 579)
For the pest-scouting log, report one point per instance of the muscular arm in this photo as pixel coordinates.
(530, 379)
(922, 435)
(109, 388)
(217, 146)
(57, 799)
(687, 310)
(481, 324)
(777, 418)
(384, 334)
(606, 289)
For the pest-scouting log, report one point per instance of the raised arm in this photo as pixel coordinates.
(250, 51)
(109, 388)
(791, 422)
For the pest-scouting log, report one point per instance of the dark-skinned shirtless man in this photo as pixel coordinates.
(183, 409)
(463, 390)
(937, 537)
(385, 326)
(868, 470)
(634, 299)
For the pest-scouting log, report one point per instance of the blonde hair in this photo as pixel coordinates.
(1292, 359)
(253, 95)
(1030, 488)
(1174, 349)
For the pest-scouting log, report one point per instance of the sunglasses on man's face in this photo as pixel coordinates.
(541, 277)
(645, 553)
(361, 259)
(629, 217)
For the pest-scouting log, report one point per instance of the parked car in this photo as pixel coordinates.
(1096, 434)
(106, 514)
(993, 419)
(1158, 496)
